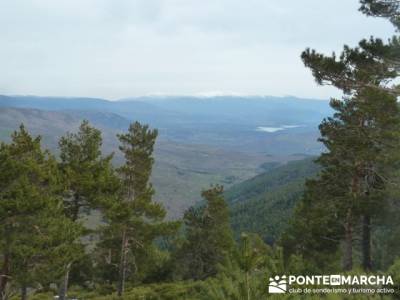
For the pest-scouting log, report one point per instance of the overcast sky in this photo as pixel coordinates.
(122, 48)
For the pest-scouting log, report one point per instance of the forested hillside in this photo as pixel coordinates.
(263, 204)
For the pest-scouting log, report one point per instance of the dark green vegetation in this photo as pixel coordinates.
(263, 204)
(34, 229)
(45, 247)
(353, 196)
(209, 238)
(345, 217)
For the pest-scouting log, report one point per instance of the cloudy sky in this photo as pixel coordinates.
(122, 48)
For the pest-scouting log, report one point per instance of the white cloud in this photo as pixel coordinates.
(121, 48)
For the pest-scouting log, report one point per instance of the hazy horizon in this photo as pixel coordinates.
(199, 96)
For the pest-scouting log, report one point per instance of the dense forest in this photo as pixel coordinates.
(264, 203)
(343, 219)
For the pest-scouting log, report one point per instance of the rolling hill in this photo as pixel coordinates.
(225, 121)
(181, 170)
(202, 141)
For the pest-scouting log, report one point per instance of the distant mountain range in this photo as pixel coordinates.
(202, 140)
(160, 110)
(225, 122)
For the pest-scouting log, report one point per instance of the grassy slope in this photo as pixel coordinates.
(264, 203)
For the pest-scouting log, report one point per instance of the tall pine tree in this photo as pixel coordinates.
(209, 240)
(88, 177)
(360, 139)
(36, 239)
(134, 220)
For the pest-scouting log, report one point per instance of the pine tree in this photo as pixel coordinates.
(361, 137)
(134, 220)
(36, 238)
(250, 258)
(315, 230)
(209, 237)
(88, 177)
(389, 9)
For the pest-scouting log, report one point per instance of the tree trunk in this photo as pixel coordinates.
(123, 264)
(62, 294)
(75, 208)
(24, 293)
(370, 180)
(248, 285)
(366, 243)
(348, 224)
(4, 276)
(348, 242)
(63, 290)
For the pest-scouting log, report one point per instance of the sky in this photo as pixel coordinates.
(125, 48)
